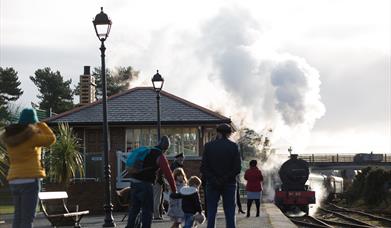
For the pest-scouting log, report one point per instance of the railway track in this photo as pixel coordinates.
(361, 213)
(338, 218)
(335, 216)
(309, 221)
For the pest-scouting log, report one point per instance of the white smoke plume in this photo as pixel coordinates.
(229, 67)
(276, 89)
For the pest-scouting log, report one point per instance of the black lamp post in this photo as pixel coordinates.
(102, 25)
(157, 82)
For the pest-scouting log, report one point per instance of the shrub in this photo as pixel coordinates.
(65, 160)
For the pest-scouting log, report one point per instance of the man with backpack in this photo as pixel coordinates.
(221, 164)
(143, 164)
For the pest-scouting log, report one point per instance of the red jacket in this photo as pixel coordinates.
(254, 179)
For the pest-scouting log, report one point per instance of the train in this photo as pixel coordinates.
(326, 186)
(293, 193)
(297, 189)
(367, 157)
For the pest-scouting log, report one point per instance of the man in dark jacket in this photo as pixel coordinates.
(141, 183)
(221, 163)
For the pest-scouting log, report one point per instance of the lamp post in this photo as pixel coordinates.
(157, 82)
(102, 25)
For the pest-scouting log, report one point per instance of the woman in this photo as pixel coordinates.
(254, 179)
(24, 142)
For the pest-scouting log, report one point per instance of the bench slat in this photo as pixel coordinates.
(52, 195)
(72, 214)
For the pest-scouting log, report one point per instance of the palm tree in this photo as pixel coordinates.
(65, 160)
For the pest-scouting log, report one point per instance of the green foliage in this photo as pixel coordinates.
(117, 80)
(55, 93)
(9, 91)
(374, 190)
(4, 163)
(253, 145)
(370, 185)
(65, 160)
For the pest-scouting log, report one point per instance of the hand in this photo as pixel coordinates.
(175, 195)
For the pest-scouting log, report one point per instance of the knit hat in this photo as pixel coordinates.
(28, 116)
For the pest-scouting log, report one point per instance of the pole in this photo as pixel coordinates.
(158, 116)
(108, 207)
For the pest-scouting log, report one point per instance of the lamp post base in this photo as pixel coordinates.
(109, 220)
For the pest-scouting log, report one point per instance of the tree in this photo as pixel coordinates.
(55, 93)
(3, 163)
(117, 80)
(65, 159)
(9, 91)
(253, 145)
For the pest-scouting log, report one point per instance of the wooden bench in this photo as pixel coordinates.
(54, 207)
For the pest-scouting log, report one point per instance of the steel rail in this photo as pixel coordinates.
(309, 224)
(346, 217)
(344, 224)
(380, 218)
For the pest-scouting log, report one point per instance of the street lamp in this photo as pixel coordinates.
(157, 82)
(102, 25)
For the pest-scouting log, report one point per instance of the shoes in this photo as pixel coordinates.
(241, 212)
(248, 215)
(158, 218)
(257, 215)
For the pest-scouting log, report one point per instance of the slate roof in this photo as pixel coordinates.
(137, 106)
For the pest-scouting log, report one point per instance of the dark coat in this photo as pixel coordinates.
(191, 203)
(221, 162)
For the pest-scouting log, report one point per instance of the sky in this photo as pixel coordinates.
(316, 72)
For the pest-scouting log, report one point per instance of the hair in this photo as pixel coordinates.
(253, 163)
(179, 172)
(224, 129)
(195, 181)
(164, 143)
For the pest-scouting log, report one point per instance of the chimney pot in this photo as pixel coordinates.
(87, 70)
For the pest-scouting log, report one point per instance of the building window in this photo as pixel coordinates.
(183, 140)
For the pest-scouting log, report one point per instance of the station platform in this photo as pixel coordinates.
(270, 216)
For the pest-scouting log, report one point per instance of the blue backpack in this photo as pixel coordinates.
(135, 160)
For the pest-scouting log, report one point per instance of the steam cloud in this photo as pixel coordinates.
(233, 70)
(291, 84)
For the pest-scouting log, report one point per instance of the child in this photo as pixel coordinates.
(191, 204)
(175, 206)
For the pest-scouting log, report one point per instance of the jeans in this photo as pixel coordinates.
(157, 199)
(25, 197)
(213, 196)
(141, 197)
(189, 220)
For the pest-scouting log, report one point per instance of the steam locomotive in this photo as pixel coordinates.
(294, 194)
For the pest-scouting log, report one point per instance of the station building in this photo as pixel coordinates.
(132, 119)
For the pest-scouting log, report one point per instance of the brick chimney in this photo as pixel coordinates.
(87, 87)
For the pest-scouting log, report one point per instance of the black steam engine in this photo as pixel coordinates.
(293, 194)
